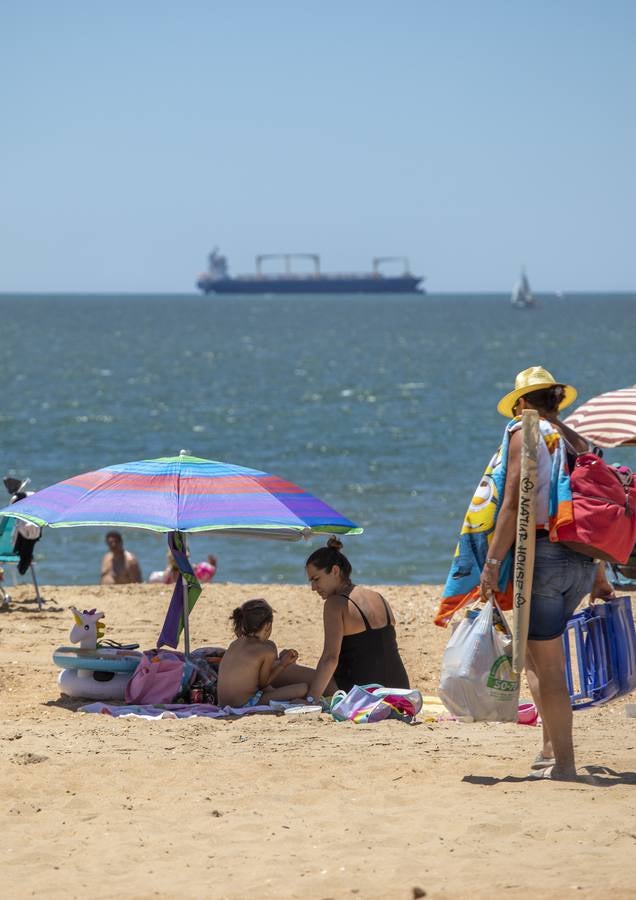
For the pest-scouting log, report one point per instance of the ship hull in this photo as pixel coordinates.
(324, 285)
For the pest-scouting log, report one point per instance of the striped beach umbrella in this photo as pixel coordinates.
(183, 493)
(609, 419)
(179, 494)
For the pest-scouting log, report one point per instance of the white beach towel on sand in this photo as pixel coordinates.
(172, 710)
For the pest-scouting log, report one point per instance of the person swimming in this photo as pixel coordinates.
(252, 661)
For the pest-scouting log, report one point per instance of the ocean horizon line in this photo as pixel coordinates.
(565, 293)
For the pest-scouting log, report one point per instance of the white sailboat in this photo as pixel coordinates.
(522, 296)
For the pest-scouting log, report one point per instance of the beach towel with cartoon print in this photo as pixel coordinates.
(553, 505)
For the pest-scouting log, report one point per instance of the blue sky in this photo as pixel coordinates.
(470, 136)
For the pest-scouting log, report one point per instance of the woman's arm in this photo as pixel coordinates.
(602, 588)
(334, 630)
(506, 527)
(577, 443)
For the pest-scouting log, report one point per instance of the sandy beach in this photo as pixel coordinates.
(281, 806)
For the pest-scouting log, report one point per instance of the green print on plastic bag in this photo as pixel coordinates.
(501, 677)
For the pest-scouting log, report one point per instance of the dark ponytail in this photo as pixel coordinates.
(325, 558)
(546, 399)
(249, 618)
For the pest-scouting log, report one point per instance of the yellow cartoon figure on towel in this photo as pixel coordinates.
(480, 515)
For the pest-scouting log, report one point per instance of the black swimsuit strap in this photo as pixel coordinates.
(386, 606)
(364, 618)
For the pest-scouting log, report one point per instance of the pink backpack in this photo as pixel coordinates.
(157, 678)
(603, 510)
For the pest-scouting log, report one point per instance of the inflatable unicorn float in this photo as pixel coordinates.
(93, 670)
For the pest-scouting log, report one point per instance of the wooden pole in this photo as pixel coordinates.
(526, 538)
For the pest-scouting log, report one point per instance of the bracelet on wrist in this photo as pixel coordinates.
(493, 562)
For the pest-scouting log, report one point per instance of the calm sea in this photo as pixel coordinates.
(382, 406)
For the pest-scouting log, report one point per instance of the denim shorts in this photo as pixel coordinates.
(561, 579)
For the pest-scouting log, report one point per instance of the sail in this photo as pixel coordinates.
(522, 296)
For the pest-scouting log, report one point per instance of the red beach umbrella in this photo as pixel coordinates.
(609, 419)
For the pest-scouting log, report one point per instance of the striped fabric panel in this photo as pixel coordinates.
(609, 419)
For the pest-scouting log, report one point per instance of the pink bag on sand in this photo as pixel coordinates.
(157, 678)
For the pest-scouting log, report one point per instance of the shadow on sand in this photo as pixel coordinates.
(596, 776)
(30, 606)
(70, 703)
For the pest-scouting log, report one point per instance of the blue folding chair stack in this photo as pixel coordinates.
(623, 635)
(600, 653)
(8, 555)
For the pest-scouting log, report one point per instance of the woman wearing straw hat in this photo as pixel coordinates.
(561, 577)
(482, 564)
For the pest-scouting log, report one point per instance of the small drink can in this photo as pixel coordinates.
(209, 694)
(196, 694)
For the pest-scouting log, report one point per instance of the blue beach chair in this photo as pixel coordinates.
(8, 555)
(600, 653)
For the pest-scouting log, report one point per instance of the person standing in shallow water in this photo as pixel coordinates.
(360, 645)
(119, 566)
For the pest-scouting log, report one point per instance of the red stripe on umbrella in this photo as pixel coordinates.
(222, 484)
(609, 419)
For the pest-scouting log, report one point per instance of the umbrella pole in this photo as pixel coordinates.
(186, 606)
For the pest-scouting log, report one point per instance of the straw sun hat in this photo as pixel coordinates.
(533, 379)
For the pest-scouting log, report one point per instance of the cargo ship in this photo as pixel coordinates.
(217, 279)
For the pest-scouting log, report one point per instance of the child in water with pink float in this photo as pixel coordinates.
(252, 662)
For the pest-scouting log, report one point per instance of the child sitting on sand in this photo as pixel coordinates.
(251, 662)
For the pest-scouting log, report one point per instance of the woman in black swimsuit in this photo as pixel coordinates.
(360, 645)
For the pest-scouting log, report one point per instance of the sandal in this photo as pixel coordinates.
(116, 645)
(543, 762)
(549, 773)
(543, 772)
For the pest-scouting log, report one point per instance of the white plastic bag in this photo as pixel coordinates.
(477, 681)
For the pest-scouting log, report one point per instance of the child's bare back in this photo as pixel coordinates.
(244, 670)
(252, 661)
